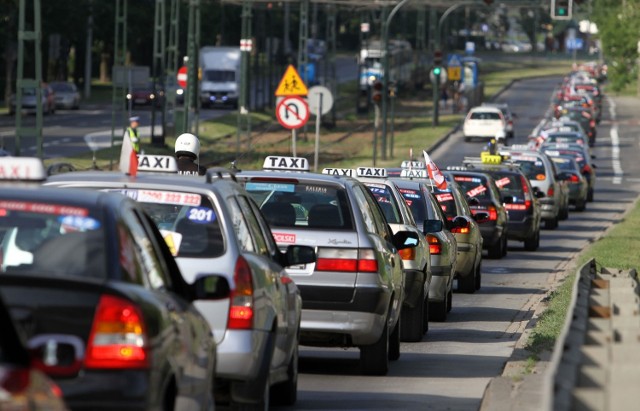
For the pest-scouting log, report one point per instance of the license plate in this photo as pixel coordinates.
(140, 101)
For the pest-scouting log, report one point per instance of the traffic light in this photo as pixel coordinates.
(376, 92)
(437, 70)
(437, 58)
(561, 9)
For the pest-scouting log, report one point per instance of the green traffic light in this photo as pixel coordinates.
(436, 71)
(562, 11)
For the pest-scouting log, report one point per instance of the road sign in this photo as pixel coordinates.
(291, 84)
(454, 61)
(246, 44)
(292, 112)
(182, 77)
(317, 93)
(454, 73)
(575, 43)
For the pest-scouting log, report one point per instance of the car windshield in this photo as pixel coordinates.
(563, 163)
(303, 205)
(189, 222)
(52, 239)
(220, 76)
(62, 87)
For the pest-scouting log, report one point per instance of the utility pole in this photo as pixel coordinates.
(244, 118)
(34, 36)
(192, 99)
(88, 56)
(158, 70)
(118, 85)
(171, 69)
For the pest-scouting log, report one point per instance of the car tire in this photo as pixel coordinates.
(495, 251)
(581, 206)
(478, 277)
(449, 301)
(505, 245)
(564, 213)
(438, 310)
(425, 315)
(467, 284)
(394, 341)
(374, 358)
(531, 244)
(590, 195)
(467, 139)
(412, 328)
(286, 392)
(551, 224)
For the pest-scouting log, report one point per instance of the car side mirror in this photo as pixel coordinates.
(405, 239)
(432, 226)
(460, 222)
(210, 287)
(593, 156)
(481, 216)
(299, 254)
(537, 192)
(594, 166)
(473, 201)
(57, 355)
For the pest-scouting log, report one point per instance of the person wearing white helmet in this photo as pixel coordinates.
(188, 155)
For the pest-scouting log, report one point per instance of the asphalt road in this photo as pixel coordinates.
(451, 367)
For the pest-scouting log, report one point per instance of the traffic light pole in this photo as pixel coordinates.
(436, 100)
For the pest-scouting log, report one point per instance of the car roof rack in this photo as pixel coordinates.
(220, 173)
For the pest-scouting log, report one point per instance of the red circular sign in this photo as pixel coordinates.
(182, 77)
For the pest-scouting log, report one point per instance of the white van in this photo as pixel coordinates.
(220, 84)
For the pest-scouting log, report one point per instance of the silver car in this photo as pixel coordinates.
(416, 261)
(353, 294)
(67, 95)
(212, 225)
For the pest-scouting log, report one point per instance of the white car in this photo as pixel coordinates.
(484, 122)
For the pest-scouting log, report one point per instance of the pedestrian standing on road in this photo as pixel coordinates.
(188, 155)
(132, 133)
(130, 147)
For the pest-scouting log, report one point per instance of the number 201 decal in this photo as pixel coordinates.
(201, 215)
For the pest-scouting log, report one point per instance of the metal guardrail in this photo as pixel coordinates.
(596, 360)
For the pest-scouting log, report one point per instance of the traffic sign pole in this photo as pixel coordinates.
(317, 148)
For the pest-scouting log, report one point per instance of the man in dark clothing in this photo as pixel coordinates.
(187, 154)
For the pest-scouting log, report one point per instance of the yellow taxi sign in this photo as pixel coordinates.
(291, 84)
(488, 158)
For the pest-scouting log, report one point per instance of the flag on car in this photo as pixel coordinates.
(128, 158)
(434, 172)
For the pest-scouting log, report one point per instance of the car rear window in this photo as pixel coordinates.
(531, 166)
(190, 218)
(447, 202)
(509, 184)
(53, 239)
(474, 186)
(484, 115)
(386, 201)
(304, 205)
(416, 202)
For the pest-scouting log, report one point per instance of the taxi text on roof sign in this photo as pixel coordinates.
(488, 158)
(418, 173)
(286, 163)
(338, 171)
(413, 164)
(371, 172)
(158, 164)
(22, 169)
(291, 84)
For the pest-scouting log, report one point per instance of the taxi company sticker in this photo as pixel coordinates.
(409, 202)
(471, 179)
(284, 238)
(444, 197)
(79, 223)
(540, 177)
(315, 189)
(173, 240)
(285, 188)
(43, 208)
(411, 195)
(201, 215)
(406, 191)
(478, 190)
(503, 182)
(168, 197)
(377, 190)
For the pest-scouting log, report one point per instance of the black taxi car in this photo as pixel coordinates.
(93, 285)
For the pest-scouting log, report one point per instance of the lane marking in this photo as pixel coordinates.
(616, 164)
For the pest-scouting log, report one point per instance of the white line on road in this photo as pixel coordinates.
(615, 145)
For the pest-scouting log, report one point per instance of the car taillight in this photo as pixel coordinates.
(408, 253)
(493, 213)
(592, 123)
(435, 248)
(550, 192)
(586, 169)
(527, 193)
(241, 297)
(15, 381)
(460, 230)
(574, 179)
(346, 260)
(118, 337)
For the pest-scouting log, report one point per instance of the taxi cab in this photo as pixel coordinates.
(519, 199)
(353, 294)
(93, 285)
(215, 227)
(416, 261)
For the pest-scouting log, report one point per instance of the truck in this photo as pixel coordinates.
(220, 83)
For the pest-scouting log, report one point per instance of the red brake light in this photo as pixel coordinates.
(460, 230)
(15, 381)
(493, 213)
(118, 337)
(435, 248)
(592, 123)
(550, 192)
(527, 194)
(241, 299)
(574, 179)
(346, 260)
(586, 169)
(516, 207)
(336, 264)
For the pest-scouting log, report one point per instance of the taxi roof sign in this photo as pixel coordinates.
(414, 173)
(413, 164)
(285, 163)
(22, 169)
(488, 158)
(291, 84)
(151, 163)
(371, 172)
(338, 171)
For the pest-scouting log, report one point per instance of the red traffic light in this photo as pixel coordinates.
(376, 94)
(437, 58)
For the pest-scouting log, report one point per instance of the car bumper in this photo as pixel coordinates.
(340, 328)
(522, 229)
(491, 234)
(548, 210)
(239, 352)
(440, 286)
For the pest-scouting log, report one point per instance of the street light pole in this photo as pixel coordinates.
(385, 74)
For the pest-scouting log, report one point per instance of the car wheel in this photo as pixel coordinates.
(261, 405)
(394, 342)
(551, 224)
(495, 251)
(478, 277)
(531, 244)
(467, 283)
(412, 321)
(449, 301)
(467, 139)
(425, 315)
(505, 243)
(438, 310)
(581, 206)
(374, 358)
(590, 195)
(286, 392)
(564, 213)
